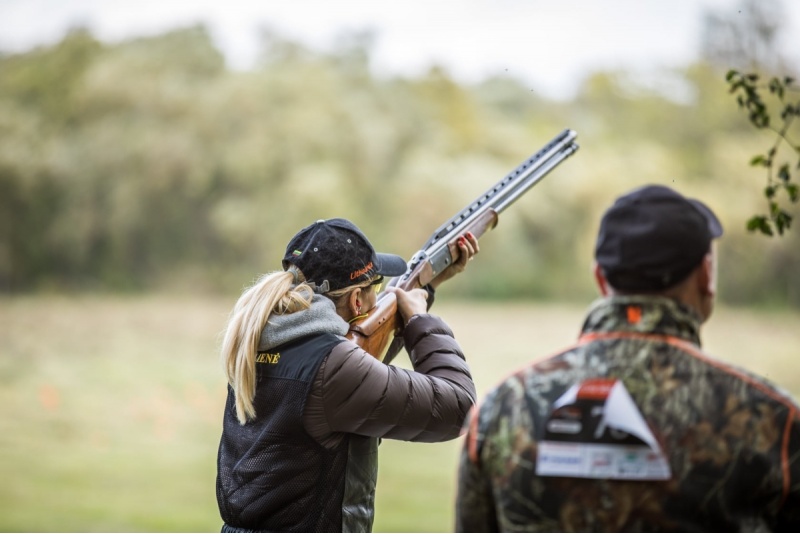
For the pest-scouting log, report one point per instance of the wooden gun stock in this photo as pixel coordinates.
(375, 332)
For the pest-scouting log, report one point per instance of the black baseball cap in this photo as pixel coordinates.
(337, 252)
(653, 237)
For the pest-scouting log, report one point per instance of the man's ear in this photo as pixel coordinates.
(600, 279)
(706, 277)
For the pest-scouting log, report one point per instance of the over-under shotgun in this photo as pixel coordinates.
(375, 332)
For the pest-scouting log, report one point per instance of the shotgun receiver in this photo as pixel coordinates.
(375, 332)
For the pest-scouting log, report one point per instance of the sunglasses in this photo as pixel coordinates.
(377, 284)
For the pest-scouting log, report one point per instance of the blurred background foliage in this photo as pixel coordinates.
(148, 164)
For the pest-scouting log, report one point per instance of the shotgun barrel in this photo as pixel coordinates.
(375, 332)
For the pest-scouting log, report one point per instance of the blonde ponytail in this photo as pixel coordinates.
(277, 292)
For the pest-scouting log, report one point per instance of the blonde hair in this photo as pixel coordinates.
(277, 292)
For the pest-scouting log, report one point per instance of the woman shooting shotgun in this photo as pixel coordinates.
(306, 406)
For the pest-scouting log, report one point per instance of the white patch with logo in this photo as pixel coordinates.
(595, 430)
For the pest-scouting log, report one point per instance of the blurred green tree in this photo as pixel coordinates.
(745, 43)
(155, 166)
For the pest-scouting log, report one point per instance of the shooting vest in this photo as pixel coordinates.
(273, 476)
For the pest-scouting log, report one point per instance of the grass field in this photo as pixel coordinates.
(111, 406)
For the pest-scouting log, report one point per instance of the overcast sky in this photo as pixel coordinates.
(549, 44)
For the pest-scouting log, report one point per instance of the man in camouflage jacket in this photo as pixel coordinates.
(635, 428)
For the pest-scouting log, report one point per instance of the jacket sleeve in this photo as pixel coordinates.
(355, 393)
(788, 519)
(475, 511)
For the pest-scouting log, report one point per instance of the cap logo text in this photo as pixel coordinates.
(355, 274)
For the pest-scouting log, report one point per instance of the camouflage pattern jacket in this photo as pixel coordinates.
(730, 440)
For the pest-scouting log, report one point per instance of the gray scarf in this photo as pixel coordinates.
(320, 318)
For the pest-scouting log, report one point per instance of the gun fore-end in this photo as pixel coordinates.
(442, 257)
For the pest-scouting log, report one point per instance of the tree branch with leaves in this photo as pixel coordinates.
(749, 89)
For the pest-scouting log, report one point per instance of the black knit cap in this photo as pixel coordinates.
(337, 252)
(653, 237)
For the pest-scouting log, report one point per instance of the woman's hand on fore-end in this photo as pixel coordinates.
(468, 247)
